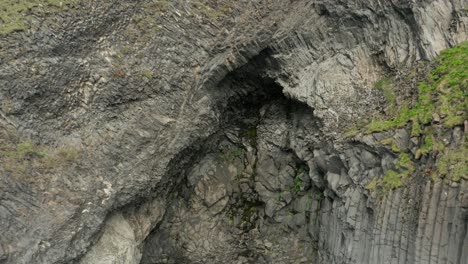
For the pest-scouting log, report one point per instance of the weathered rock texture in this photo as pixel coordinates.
(211, 132)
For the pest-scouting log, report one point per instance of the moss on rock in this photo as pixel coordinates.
(13, 13)
(444, 92)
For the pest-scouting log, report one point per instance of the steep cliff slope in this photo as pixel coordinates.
(208, 131)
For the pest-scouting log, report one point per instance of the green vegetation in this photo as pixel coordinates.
(372, 185)
(319, 196)
(248, 210)
(453, 164)
(431, 144)
(18, 158)
(445, 93)
(416, 129)
(442, 97)
(393, 179)
(148, 74)
(311, 197)
(281, 197)
(309, 202)
(230, 155)
(404, 115)
(7, 105)
(62, 156)
(392, 143)
(298, 184)
(356, 129)
(405, 163)
(208, 11)
(428, 145)
(13, 13)
(243, 214)
(158, 5)
(250, 133)
(386, 86)
(146, 19)
(351, 132)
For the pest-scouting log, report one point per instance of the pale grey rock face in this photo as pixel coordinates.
(118, 244)
(207, 138)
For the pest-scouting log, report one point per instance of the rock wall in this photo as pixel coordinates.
(287, 201)
(211, 131)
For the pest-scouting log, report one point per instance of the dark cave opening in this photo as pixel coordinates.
(240, 98)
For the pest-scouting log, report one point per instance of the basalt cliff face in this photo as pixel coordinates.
(265, 131)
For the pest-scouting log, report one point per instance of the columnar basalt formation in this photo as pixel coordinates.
(205, 131)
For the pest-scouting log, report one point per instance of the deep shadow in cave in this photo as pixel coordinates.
(236, 213)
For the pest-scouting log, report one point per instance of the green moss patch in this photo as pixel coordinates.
(391, 180)
(386, 86)
(230, 155)
(444, 92)
(298, 184)
(452, 164)
(394, 179)
(392, 143)
(13, 13)
(22, 157)
(212, 10)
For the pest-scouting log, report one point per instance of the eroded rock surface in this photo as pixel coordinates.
(212, 131)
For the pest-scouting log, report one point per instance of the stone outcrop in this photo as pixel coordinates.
(212, 131)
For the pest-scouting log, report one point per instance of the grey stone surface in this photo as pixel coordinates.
(209, 132)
